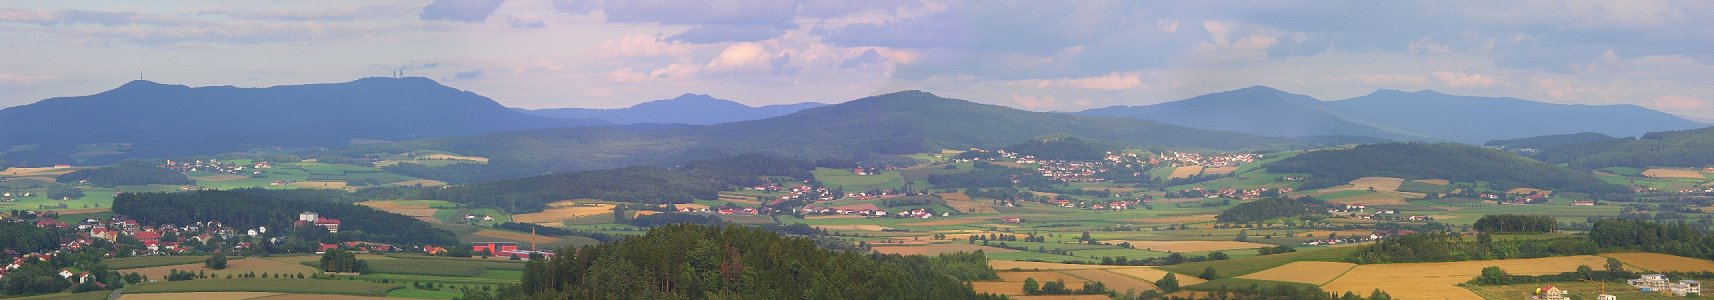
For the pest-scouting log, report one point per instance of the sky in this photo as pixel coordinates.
(1033, 55)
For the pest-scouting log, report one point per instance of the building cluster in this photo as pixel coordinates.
(869, 211)
(1372, 236)
(506, 249)
(1659, 283)
(1211, 161)
(312, 218)
(1229, 193)
(216, 166)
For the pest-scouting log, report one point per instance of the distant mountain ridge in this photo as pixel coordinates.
(691, 109)
(163, 120)
(1397, 115)
(1681, 148)
(875, 127)
(1255, 110)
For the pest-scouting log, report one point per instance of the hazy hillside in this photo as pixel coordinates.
(1475, 120)
(868, 128)
(685, 109)
(1551, 141)
(1685, 148)
(159, 119)
(1456, 162)
(1255, 110)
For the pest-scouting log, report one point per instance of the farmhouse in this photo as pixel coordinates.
(1548, 292)
(331, 224)
(494, 248)
(1650, 283)
(1687, 287)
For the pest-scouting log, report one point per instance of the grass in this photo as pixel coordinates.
(1246, 265)
(91, 295)
(423, 267)
(276, 285)
(854, 183)
(152, 261)
(1412, 186)
(490, 264)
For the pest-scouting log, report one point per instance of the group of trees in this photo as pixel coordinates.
(1061, 148)
(132, 172)
(1057, 287)
(1676, 239)
(637, 184)
(1516, 224)
(341, 261)
(697, 261)
(26, 238)
(1271, 208)
(255, 207)
(1443, 246)
(1455, 162)
(988, 175)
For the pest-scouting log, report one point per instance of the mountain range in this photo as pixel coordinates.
(871, 128)
(685, 109)
(1398, 115)
(157, 120)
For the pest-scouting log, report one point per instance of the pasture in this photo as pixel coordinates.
(1189, 246)
(558, 212)
(234, 267)
(151, 261)
(275, 285)
(1185, 172)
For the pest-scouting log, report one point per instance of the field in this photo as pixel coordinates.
(1185, 172)
(1656, 262)
(1673, 173)
(1177, 219)
(423, 210)
(1253, 264)
(1119, 278)
(934, 249)
(963, 203)
(277, 285)
(558, 212)
(1189, 246)
(1377, 197)
(844, 178)
(1219, 170)
(1439, 280)
(1115, 281)
(198, 295)
(1310, 272)
(152, 261)
(1426, 186)
(1524, 291)
(233, 267)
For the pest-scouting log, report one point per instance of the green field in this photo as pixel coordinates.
(276, 285)
(1240, 266)
(1412, 186)
(152, 261)
(851, 182)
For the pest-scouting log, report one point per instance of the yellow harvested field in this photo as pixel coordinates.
(418, 211)
(1363, 184)
(1672, 173)
(319, 297)
(868, 227)
(198, 295)
(234, 267)
(1440, 280)
(946, 222)
(1002, 265)
(1435, 181)
(1039, 276)
(1219, 170)
(423, 182)
(1151, 275)
(1379, 198)
(29, 172)
(513, 236)
(319, 184)
(1526, 191)
(1112, 280)
(455, 157)
(222, 177)
(971, 207)
(559, 211)
(939, 249)
(1311, 272)
(1185, 172)
(1064, 297)
(1177, 219)
(954, 196)
(1656, 262)
(1190, 246)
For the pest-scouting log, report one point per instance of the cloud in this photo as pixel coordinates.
(869, 57)
(643, 46)
(467, 75)
(739, 56)
(1111, 81)
(1463, 80)
(469, 11)
(71, 17)
(709, 34)
(329, 14)
(528, 24)
(1677, 103)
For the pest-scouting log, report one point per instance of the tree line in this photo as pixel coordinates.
(1509, 223)
(132, 172)
(1455, 162)
(278, 209)
(1271, 208)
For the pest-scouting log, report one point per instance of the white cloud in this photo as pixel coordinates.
(1464, 80)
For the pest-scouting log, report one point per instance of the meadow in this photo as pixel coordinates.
(276, 285)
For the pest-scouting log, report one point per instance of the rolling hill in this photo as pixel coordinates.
(1684, 148)
(1451, 161)
(1474, 120)
(156, 119)
(1551, 141)
(684, 109)
(872, 128)
(1255, 110)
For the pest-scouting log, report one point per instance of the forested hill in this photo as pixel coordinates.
(251, 208)
(160, 120)
(1471, 119)
(891, 124)
(1256, 110)
(1686, 148)
(127, 173)
(687, 261)
(1456, 162)
(641, 184)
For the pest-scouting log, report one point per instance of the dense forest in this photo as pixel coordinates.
(1061, 148)
(251, 208)
(1552, 141)
(1685, 148)
(126, 173)
(988, 175)
(695, 261)
(1266, 209)
(639, 184)
(1456, 162)
(1516, 224)
(1606, 236)
(26, 238)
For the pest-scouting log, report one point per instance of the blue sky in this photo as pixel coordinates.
(1045, 56)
